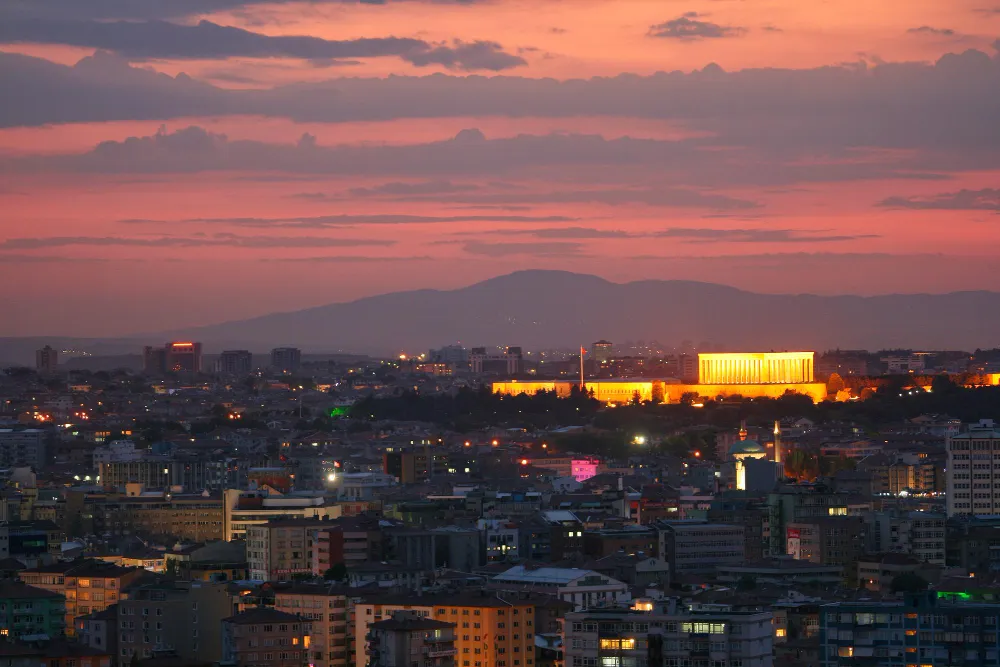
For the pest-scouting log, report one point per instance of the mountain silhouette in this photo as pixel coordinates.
(552, 309)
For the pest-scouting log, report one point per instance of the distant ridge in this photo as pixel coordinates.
(546, 309)
(550, 309)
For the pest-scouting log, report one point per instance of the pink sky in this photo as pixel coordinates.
(857, 161)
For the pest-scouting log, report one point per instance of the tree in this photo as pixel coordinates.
(908, 582)
(336, 573)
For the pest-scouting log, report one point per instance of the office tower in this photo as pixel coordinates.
(286, 359)
(184, 356)
(173, 357)
(154, 360)
(600, 352)
(46, 360)
(235, 362)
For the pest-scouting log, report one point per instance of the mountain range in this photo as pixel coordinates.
(556, 309)
(551, 309)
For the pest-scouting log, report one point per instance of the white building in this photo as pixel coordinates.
(360, 485)
(116, 451)
(242, 509)
(629, 637)
(584, 588)
(972, 478)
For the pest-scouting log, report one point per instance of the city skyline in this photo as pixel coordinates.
(188, 164)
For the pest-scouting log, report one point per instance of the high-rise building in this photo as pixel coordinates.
(154, 360)
(601, 351)
(286, 359)
(972, 481)
(235, 362)
(184, 356)
(46, 360)
(173, 357)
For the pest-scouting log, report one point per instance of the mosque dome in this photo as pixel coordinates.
(746, 447)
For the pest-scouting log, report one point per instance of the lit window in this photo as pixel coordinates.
(618, 644)
(846, 652)
(779, 632)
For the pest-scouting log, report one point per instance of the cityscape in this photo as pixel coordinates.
(611, 504)
(499, 333)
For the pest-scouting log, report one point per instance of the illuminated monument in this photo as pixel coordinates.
(755, 368)
(747, 374)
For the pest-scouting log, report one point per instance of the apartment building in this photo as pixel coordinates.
(87, 585)
(278, 550)
(488, 627)
(922, 629)
(973, 470)
(29, 613)
(411, 640)
(919, 534)
(264, 637)
(330, 609)
(667, 637)
(182, 617)
(22, 447)
(834, 540)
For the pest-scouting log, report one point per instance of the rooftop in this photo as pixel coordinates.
(18, 591)
(544, 575)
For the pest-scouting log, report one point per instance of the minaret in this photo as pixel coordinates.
(743, 430)
(583, 386)
(777, 441)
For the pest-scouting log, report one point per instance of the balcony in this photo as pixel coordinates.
(430, 639)
(439, 652)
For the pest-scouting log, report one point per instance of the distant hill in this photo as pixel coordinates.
(546, 309)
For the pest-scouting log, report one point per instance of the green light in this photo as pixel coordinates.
(954, 594)
(340, 411)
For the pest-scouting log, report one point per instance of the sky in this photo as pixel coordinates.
(168, 163)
